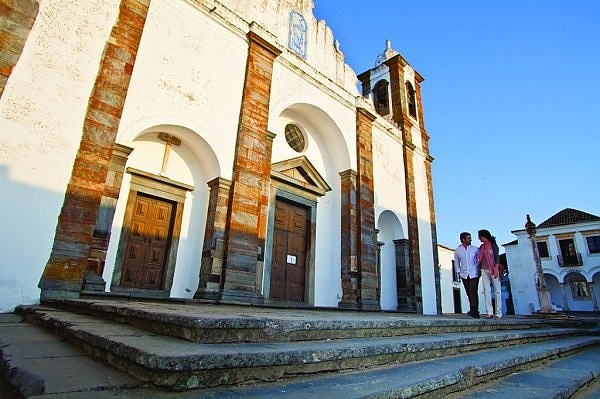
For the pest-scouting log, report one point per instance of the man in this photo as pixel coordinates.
(465, 260)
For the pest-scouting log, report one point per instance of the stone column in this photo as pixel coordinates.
(564, 297)
(379, 246)
(211, 266)
(542, 288)
(396, 67)
(251, 174)
(593, 295)
(367, 240)
(17, 20)
(349, 236)
(68, 262)
(93, 280)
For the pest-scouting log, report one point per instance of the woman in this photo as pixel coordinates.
(489, 259)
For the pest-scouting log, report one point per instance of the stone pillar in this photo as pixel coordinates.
(396, 66)
(379, 246)
(251, 175)
(211, 266)
(542, 288)
(564, 297)
(593, 295)
(68, 262)
(367, 240)
(17, 20)
(349, 237)
(93, 280)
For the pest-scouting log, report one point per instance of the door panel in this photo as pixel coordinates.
(278, 266)
(288, 266)
(149, 238)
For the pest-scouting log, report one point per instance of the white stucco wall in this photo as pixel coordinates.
(388, 173)
(390, 208)
(41, 119)
(181, 77)
(425, 238)
(522, 276)
(447, 283)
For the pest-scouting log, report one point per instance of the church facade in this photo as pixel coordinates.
(216, 150)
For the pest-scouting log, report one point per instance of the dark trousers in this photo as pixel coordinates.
(471, 285)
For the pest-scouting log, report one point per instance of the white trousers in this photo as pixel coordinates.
(487, 293)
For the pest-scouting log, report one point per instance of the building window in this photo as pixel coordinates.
(380, 98)
(543, 249)
(593, 243)
(412, 101)
(568, 254)
(295, 138)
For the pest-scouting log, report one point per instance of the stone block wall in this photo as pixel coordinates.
(16, 20)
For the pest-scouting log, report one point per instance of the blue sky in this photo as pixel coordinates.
(511, 101)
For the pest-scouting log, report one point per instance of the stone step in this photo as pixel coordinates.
(180, 364)
(559, 379)
(449, 377)
(209, 323)
(590, 391)
(37, 362)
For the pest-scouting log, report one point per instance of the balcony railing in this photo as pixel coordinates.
(569, 260)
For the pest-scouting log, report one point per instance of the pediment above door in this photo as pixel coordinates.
(300, 173)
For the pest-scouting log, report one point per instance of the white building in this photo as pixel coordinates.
(568, 244)
(452, 292)
(213, 150)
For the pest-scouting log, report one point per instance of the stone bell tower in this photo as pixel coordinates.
(395, 89)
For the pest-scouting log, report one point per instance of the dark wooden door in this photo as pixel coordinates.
(147, 247)
(288, 267)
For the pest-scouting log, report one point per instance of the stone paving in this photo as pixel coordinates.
(48, 366)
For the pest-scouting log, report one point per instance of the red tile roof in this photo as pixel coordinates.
(568, 216)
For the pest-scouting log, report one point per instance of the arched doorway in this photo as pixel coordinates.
(578, 292)
(305, 130)
(555, 288)
(160, 216)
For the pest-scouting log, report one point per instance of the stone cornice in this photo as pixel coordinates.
(258, 35)
(365, 108)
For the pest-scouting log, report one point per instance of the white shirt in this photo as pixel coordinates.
(465, 260)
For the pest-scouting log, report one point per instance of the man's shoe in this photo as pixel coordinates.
(473, 315)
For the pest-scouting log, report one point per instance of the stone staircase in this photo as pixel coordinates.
(219, 351)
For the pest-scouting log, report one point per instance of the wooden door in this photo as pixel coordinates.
(149, 238)
(288, 267)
